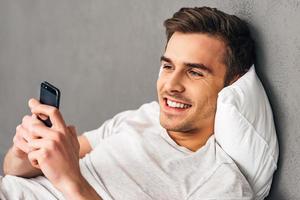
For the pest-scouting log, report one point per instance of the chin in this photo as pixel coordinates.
(169, 125)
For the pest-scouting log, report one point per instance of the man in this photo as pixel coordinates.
(164, 151)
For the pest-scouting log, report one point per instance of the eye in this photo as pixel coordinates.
(167, 66)
(195, 74)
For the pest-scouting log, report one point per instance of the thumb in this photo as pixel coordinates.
(33, 102)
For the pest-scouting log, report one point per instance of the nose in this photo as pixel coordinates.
(174, 83)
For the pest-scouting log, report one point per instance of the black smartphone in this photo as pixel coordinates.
(49, 95)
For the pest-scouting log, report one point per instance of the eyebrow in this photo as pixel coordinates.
(190, 65)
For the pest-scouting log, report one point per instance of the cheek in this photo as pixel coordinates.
(158, 90)
(212, 88)
(204, 95)
(159, 84)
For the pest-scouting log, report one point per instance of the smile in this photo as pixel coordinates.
(174, 104)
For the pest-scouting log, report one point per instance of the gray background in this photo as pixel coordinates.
(104, 56)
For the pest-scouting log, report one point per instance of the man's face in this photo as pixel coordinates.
(192, 74)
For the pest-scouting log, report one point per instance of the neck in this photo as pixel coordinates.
(192, 140)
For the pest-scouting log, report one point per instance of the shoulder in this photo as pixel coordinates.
(146, 113)
(130, 120)
(224, 181)
(228, 181)
(143, 113)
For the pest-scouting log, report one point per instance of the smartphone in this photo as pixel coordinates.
(49, 95)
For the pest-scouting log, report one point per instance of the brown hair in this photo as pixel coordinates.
(240, 54)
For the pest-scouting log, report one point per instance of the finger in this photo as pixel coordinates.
(53, 113)
(40, 117)
(36, 119)
(33, 102)
(29, 121)
(20, 145)
(42, 144)
(43, 117)
(26, 121)
(26, 131)
(22, 137)
(33, 158)
(18, 152)
(41, 131)
(45, 149)
(22, 134)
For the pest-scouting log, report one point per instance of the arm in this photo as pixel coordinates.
(55, 151)
(81, 191)
(16, 163)
(16, 160)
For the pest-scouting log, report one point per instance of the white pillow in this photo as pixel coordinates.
(244, 128)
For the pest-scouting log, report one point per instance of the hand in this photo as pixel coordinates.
(55, 150)
(20, 146)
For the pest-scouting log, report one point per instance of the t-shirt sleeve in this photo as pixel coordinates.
(106, 130)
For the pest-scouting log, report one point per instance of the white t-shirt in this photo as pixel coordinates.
(133, 158)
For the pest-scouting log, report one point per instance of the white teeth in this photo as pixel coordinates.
(176, 105)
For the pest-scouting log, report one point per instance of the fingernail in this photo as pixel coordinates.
(30, 102)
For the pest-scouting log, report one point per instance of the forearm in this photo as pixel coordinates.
(80, 190)
(14, 165)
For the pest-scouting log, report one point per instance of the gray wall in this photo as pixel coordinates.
(104, 56)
